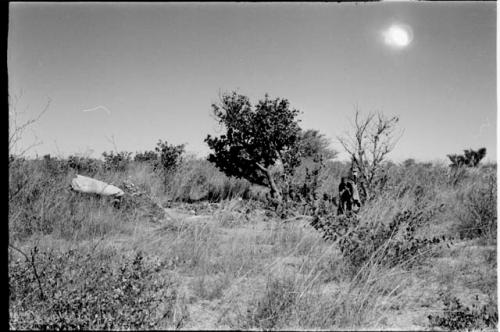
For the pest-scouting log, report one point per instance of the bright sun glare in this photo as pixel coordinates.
(398, 36)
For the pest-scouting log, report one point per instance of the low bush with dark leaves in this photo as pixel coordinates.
(457, 316)
(391, 244)
(74, 290)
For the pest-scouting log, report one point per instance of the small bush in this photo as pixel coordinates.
(147, 157)
(55, 166)
(170, 155)
(84, 165)
(457, 316)
(116, 162)
(477, 211)
(469, 158)
(75, 290)
(389, 244)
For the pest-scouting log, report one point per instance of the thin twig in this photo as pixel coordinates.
(32, 262)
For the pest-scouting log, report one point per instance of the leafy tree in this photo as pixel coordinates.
(314, 145)
(169, 155)
(169, 158)
(470, 158)
(255, 138)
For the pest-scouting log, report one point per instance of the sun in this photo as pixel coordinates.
(398, 36)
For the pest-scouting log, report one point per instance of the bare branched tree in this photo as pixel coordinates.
(373, 138)
(17, 128)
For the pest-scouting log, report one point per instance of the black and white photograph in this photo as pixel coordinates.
(304, 166)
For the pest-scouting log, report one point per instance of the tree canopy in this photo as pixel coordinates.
(314, 145)
(255, 137)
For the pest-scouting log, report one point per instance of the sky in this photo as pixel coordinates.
(121, 76)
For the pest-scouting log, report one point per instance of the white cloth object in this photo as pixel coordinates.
(88, 185)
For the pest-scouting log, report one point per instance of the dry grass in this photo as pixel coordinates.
(236, 268)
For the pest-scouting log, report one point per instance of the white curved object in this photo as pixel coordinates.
(88, 185)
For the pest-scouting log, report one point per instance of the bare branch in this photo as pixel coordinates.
(32, 263)
(17, 130)
(369, 143)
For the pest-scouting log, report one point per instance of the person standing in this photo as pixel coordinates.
(345, 196)
(353, 188)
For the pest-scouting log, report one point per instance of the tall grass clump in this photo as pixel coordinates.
(41, 202)
(197, 179)
(476, 208)
(273, 309)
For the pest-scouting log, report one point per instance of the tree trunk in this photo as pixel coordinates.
(274, 189)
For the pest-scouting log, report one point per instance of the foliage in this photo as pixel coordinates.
(146, 156)
(477, 211)
(255, 138)
(390, 244)
(368, 145)
(84, 165)
(314, 145)
(458, 317)
(168, 159)
(169, 155)
(81, 291)
(303, 180)
(469, 158)
(55, 166)
(299, 195)
(388, 251)
(116, 162)
(410, 162)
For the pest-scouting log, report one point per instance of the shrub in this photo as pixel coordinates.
(457, 316)
(301, 192)
(116, 162)
(147, 156)
(84, 165)
(390, 244)
(169, 158)
(477, 211)
(55, 166)
(469, 158)
(169, 155)
(76, 290)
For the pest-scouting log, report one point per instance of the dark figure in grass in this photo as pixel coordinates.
(348, 195)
